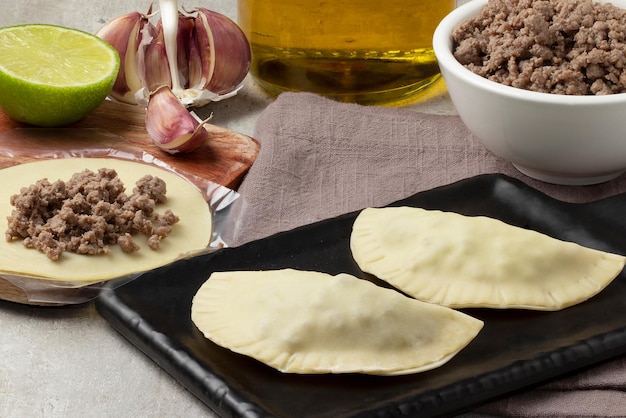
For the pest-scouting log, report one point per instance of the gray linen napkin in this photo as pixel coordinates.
(321, 158)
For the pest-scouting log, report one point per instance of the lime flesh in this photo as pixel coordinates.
(52, 75)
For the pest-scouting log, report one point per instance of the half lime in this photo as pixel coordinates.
(52, 75)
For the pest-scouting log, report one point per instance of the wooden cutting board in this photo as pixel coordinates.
(224, 159)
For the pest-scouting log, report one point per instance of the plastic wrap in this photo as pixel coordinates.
(32, 144)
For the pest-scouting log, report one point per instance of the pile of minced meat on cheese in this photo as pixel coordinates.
(88, 213)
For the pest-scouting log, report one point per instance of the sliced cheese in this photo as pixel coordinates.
(192, 232)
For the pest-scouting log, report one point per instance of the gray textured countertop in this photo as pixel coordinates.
(67, 361)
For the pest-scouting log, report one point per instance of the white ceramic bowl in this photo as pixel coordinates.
(573, 140)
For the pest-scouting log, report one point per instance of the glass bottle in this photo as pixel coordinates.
(350, 50)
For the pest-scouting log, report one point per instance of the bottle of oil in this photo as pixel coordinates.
(351, 50)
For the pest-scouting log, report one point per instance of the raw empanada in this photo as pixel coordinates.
(191, 233)
(461, 261)
(309, 322)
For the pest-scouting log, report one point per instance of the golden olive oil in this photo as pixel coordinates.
(350, 50)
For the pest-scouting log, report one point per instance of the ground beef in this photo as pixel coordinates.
(88, 213)
(574, 47)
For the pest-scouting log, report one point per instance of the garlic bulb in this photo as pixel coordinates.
(208, 55)
(170, 125)
(200, 56)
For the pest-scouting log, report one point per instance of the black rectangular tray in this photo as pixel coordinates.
(514, 350)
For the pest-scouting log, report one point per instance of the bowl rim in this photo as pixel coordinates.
(442, 46)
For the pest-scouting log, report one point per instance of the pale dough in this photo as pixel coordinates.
(460, 261)
(310, 322)
(192, 232)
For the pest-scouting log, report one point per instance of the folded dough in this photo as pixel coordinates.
(460, 261)
(192, 232)
(309, 322)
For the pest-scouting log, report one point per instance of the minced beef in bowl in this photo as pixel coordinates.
(572, 47)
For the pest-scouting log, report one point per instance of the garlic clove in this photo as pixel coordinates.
(125, 34)
(170, 125)
(224, 53)
(196, 79)
(154, 68)
(118, 32)
(147, 35)
(183, 41)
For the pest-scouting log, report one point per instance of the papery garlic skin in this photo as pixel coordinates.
(170, 125)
